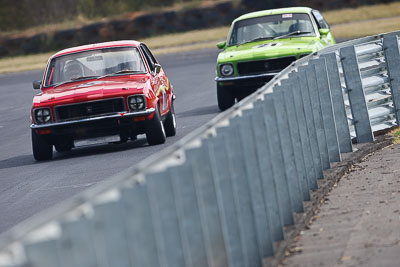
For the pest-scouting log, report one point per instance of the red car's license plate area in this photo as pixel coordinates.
(97, 140)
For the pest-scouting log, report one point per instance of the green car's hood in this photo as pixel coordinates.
(270, 49)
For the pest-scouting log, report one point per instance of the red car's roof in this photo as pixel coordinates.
(95, 46)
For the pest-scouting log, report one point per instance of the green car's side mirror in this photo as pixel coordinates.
(221, 45)
(323, 32)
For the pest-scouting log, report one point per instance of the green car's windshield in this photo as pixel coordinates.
(270, 27)
(94, 63)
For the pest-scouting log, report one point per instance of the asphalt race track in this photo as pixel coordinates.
(27, 186)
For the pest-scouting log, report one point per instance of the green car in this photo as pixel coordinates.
(261, 44)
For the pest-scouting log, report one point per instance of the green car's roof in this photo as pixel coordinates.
(274, 12)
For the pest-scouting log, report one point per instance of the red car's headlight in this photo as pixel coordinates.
(137, 103)
(42, 115)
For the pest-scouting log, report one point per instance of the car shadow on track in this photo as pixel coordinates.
(18, 161)
(198, 111)
(99, 149)
(25, 160)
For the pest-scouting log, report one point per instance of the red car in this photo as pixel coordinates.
(105, 92)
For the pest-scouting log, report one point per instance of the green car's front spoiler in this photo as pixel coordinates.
(236, 78)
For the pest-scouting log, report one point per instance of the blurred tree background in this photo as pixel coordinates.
(21, 14)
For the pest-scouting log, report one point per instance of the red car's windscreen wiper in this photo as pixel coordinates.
(75, 79)
(84, 77)
(61, 83)
(120, 72)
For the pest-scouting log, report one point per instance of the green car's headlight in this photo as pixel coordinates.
(226, 69)
(42, 115)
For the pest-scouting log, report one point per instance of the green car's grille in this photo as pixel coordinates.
(264, 66)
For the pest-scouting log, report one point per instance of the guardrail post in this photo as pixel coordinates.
(295, 138)
(261, 211)
(43, 254)
(295, 188)
(209, 212)
(311, 128)
(354, 86)
(20, 264)
(339, 108)
(241, 190)
(278, 166)
(112, 247)
(392, 56)
(328, 117)
(78, 235)
(188, 211)
(305, 149)
(259, 136)
(317, 114)
(165, 219)
(139, 226)
(226, 199)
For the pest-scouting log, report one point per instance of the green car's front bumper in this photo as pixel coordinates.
(253, 71)
(241, 78)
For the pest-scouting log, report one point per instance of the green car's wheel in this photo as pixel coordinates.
(170, 121)
(42, 150)
(225, 98)
(155, 132)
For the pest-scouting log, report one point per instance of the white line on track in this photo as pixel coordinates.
(67, 186)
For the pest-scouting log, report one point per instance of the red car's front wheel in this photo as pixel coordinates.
(42, 150)
(155, 132)
(170, 121)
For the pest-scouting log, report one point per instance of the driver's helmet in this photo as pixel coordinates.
(299, 26)
(72, 70)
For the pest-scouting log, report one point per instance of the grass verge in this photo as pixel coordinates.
(395, 134)
(187, 38)
(170, 43)
(23, 63)
(365, 28)
(363, 13)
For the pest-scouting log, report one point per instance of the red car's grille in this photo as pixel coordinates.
(264, 66)
(89, 109)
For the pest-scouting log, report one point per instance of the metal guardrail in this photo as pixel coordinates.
(222, 194)
(375, 81)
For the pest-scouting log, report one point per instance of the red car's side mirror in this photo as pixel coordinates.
(37, 84)
(157, 68)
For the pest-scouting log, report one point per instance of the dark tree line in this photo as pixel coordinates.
(320, 4)
(21, 14)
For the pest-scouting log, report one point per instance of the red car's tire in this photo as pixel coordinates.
(42, 150)
(170, 121)
(225, 98)
(155, 132)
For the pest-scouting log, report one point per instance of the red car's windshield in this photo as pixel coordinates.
(94, 63)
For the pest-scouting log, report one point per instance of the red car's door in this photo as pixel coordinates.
(165, 91)
(159, 81)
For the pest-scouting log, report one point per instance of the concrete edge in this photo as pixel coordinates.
(325, 185)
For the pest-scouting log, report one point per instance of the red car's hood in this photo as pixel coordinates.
(90, 90)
